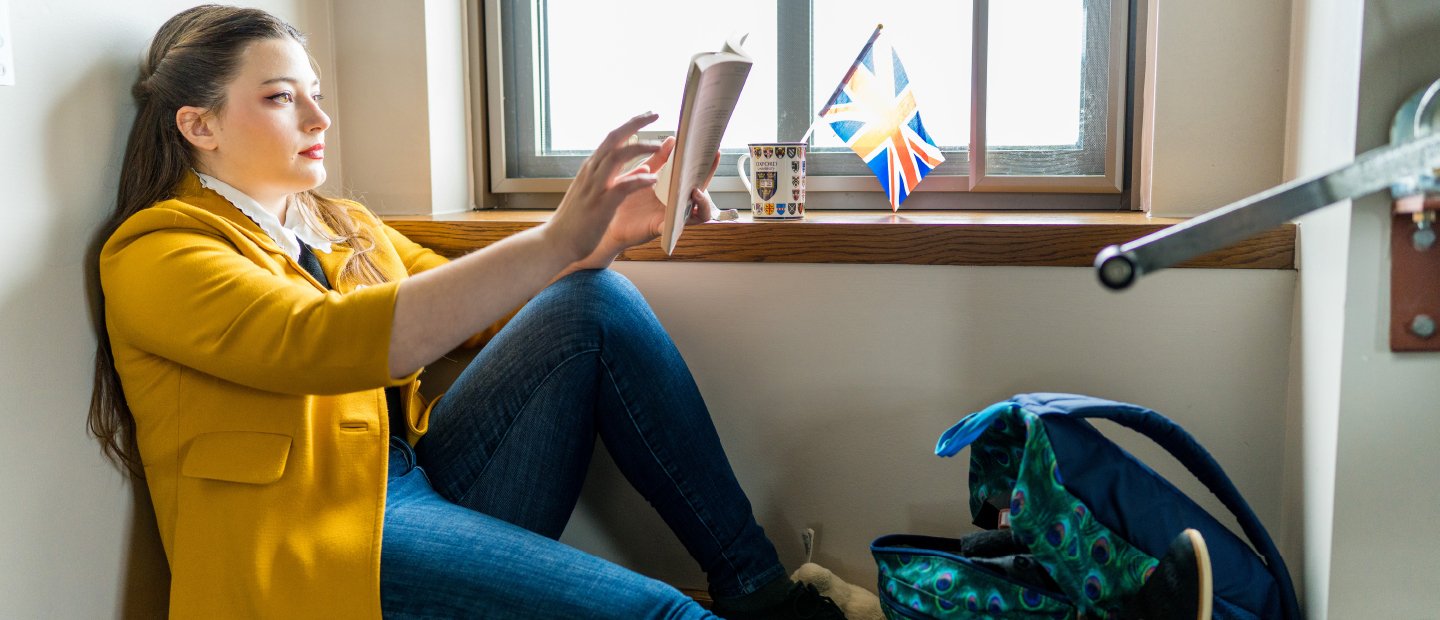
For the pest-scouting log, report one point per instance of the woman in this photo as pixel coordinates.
(261, 342)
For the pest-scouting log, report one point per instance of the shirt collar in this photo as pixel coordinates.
(288, 235)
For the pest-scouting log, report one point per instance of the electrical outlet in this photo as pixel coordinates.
(7, 47)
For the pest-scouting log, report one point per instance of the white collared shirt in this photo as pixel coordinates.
(287, 235)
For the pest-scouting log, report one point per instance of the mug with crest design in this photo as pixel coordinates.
(775, 181)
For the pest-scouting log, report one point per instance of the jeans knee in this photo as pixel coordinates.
(601, 284)
(602, 299)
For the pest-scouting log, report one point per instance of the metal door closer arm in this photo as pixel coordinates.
(1407, 166)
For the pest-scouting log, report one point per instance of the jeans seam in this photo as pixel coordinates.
(649, 448)
(475, 482)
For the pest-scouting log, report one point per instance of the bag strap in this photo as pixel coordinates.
(1189, 453)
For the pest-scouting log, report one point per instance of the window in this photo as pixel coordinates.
(1049, 102)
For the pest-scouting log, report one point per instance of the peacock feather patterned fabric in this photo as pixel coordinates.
(1094, 567)
(939, 585)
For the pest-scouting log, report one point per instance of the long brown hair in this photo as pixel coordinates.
(191, 60)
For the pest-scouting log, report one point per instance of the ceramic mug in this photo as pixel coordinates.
(776, 180)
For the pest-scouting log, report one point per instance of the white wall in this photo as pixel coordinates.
(1325, 70)
(1385, 558)
(1367, 415)
(74, 542)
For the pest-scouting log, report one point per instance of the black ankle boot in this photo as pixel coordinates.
(1181, 588)
(802, 602)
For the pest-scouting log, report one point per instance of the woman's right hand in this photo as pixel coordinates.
(439, 308)
(585, 212)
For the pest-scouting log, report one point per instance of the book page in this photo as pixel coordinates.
(711, 91)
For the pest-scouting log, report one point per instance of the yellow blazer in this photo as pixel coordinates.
(259, 406)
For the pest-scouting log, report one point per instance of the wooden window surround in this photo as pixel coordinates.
(1013, 238)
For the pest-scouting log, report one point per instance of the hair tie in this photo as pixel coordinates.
(141, 91)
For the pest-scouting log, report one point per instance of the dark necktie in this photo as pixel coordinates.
(312, 265)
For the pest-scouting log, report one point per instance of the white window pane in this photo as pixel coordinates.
(1035, 49)
(932, 38)
(610, 60)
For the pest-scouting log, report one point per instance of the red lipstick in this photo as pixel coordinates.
(314, 152)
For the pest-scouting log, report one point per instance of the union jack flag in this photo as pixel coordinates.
(873, 111)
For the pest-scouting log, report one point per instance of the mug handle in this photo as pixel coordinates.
(745, 177)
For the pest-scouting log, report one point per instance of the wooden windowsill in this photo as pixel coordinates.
(1023, 238)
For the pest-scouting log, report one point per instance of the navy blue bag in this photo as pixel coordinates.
(1095, 517)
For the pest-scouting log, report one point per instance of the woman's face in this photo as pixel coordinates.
(268, 138)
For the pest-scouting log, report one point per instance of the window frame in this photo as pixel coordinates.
(1110, 84)
(946, 188)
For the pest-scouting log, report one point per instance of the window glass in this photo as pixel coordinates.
(601, 73)
(568, 71)
(1035, 49)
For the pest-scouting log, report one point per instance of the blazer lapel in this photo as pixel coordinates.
(331, 263)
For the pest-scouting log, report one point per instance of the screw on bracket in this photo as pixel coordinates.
(1423, 238)
(1423, 326)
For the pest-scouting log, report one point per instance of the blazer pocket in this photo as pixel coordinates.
(237, 456)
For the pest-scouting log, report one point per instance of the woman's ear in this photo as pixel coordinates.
(197, 125)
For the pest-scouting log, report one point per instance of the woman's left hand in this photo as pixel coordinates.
(640, 216)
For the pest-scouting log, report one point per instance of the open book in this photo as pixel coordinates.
(711, 89)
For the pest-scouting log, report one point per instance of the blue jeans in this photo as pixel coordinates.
(473, 513)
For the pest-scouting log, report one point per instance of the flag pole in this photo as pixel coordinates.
(851, 72)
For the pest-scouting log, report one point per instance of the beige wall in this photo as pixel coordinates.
(401, 90)
(829, 383)
(1220, 96)
(835, 401)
